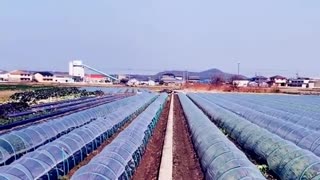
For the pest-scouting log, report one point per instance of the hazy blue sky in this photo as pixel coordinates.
(266, 36)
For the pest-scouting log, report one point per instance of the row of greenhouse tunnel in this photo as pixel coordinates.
(18, 142)
(286, 158)
(223, 129)
(45, 159)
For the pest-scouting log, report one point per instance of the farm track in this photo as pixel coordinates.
(151, 160)
(185, 160)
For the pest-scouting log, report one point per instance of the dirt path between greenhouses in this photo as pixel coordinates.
(150, 163)
(185, 160)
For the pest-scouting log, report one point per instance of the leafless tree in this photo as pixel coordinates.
(217, 80)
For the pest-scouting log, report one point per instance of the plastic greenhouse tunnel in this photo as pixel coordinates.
(300, 131)
(119, 159)
(219, 157)
(15, 143)
(283, 157)
(58, 157)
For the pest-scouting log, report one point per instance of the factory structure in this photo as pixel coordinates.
(78, 70)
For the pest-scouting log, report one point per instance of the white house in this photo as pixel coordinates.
(151, 83)
(43, 77)
(314, 83)
(278, 81)
(241, 83)
(4, 76)
(20, 76)
(133, 82)
(299, 82)
(63, 79)
(180, 78)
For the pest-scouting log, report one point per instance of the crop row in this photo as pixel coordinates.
(306, 106)
(45, 93)
(219, 157)
(31, 118)
(55, 105)
(283, 157)
(56, 158)
(119, 159)
(296, 118)
(15, 143)
(301, 135)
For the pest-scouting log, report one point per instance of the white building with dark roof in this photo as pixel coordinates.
(278, 81)
(299, 82)
(4, 76)
(43, 77)
(193, 79)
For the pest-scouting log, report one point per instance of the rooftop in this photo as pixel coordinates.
(278, 77)
(45, 73)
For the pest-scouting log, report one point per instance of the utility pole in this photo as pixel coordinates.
(187, 76)
(238, 68)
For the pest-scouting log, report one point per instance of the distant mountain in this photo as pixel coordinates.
(204, 75)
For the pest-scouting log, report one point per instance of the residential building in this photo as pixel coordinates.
(63, 78)
(258, 81)
(180, 78)
(121, 76)
(20, 76)
(133, 82)
(43, 77)
(314, 83)
(148, 83)
(241, 83)
(169, 79)
(151, 83)
(278, 81)
(194, 79)
(4, 76)
(299, 82)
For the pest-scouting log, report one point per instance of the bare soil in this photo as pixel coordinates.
(150, 164)
(185, 160)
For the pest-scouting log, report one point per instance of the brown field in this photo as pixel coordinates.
(5, 95)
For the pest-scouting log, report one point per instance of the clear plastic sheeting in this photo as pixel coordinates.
(17, 142)
(272, 110)
(120, 158)
(219, 157)
(56, 158)
(302, 131)
(286, 159)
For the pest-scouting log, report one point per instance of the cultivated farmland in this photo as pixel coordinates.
(127, 133)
